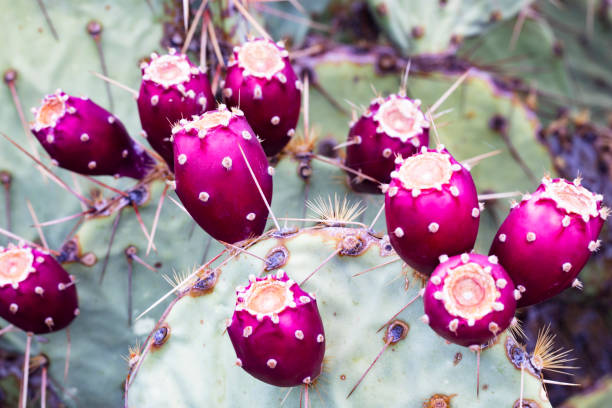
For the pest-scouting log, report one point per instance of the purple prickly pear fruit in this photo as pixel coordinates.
(172, 88)
(390, 127)
(36, 294)
(213, 180)
(277, 332)
(83, 137)
(431, 207)
(469, 299)
(261, 82)
(548, 237)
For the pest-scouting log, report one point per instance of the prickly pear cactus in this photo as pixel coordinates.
(193, 362)
(190, 346)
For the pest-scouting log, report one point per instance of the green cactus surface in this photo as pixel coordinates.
(196, 363)
(438, 26)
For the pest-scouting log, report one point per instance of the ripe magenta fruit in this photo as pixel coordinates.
(431, 207)
(212, 177)
(548, 237)
(172, 89)
(36, 294)
(469, 299)
(261, 82)
(83, 137)
(390, 127)
(277, 332)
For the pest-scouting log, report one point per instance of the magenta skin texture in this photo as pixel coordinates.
(162, 104)
(455, 325)
(559, 244)
(212, 177)
(284, 349)
(424, 224)
(87, 139)
(271, 103)
(374, 156)
(43, 300)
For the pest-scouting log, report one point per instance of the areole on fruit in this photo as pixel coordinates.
(260, 58)
(401, 118)
(168, 70)
(15, 265)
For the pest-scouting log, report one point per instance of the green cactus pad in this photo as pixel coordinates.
(196, 364)
(430, 27)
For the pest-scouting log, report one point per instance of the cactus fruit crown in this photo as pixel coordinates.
(266, 297)
(260, 58)
(401, 118)
(469, 291)
(571, 197)
(52, 109)
(168, 70)
(207, 121)
(472, 290)
(426, 170)
(16, 264)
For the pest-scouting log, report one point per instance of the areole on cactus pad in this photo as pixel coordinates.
(83, 137)
(391, 127)
(431, 208)
(172, 88)
(261, 82)
(548, 237)
(221, 174)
